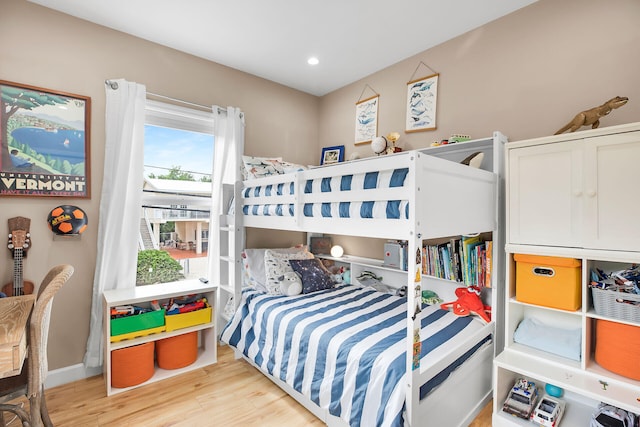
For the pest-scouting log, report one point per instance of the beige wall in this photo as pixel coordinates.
(47, 49)
(526, 75)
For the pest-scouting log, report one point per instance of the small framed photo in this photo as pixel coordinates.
(320, 245)
(332, 155)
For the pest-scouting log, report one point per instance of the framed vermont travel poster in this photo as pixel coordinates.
(44, 142)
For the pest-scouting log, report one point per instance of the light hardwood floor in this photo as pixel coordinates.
(230, 393)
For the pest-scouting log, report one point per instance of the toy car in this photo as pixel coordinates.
(521, 399)
(610, 416)
(548, 412)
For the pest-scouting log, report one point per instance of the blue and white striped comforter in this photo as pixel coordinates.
(343, 348)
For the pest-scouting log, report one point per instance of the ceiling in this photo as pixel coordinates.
(273, 39)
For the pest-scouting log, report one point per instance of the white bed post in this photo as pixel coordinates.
(298, 191)
(414, 297)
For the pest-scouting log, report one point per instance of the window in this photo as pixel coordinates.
(174, 223)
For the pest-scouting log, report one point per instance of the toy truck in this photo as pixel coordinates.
(548, 412)
(611, 416)
(521, 399)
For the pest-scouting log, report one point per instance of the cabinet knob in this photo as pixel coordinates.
(578, 193)
(591, 193)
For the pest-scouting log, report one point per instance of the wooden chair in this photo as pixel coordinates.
(31, 381)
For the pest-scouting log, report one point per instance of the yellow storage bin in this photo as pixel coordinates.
(184, 320)
(138, 334)
(548, 281)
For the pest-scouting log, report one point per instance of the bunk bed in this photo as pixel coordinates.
(416, 376)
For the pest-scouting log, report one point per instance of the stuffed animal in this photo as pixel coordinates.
(290, 284)
(430, 297)
(346, 277)
(468, 302)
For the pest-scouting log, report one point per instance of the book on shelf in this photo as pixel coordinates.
(468, 244)
(489, 261)
(455, 259)
(479, 264)
(404, 254)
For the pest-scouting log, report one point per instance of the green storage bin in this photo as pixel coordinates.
(138, 322)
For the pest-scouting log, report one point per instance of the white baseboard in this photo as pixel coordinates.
(70, 374)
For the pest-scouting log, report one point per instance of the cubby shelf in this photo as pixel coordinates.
(559, 203)
(207, 350)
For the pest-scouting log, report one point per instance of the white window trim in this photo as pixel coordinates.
(170, 115)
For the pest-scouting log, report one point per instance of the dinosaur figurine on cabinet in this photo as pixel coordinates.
(592, 116)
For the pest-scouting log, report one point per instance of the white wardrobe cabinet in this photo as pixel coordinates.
(576, 190)
(569, 196)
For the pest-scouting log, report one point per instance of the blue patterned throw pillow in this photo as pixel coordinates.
(315, 277)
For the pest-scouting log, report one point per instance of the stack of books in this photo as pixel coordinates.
(467, 260)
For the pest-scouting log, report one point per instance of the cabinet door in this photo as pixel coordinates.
(545, 194)
(612, 202)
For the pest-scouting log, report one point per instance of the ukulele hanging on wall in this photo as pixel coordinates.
(19, 243)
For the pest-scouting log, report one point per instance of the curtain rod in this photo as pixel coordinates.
(114, 85)
(204, 107)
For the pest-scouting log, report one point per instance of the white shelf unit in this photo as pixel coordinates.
(392, 276)
(493, 149)
(559, 194)
(207, 340)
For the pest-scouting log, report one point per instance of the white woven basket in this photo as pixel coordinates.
(617, 305)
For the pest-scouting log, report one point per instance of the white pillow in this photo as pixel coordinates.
(248, 280)
(253, 265)
(276, 265)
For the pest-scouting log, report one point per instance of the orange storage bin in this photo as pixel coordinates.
(548, 281)
(177, 352)
(618, 348)
(132, 365)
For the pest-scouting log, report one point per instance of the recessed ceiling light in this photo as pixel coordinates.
(313, 61)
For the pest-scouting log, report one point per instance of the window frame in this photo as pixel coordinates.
(162, 114)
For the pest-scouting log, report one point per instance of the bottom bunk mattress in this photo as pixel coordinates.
(344, 348)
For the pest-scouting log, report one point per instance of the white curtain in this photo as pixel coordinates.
(228, 147)
(120, 202)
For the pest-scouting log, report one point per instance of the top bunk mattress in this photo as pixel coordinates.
(384, 179)
(377, 197)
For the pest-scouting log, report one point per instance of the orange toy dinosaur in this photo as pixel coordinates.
(468, 302)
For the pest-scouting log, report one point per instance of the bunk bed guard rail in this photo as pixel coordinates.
(386, 197)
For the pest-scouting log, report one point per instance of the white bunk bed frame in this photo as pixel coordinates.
(445, 199)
